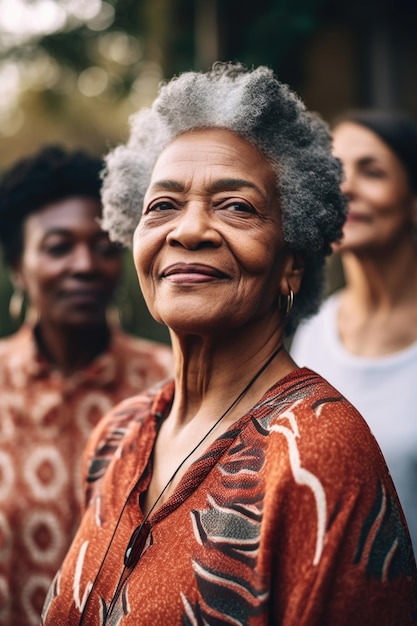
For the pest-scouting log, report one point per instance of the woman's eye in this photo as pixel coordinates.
(57, 249)
(240, 207)
(160, 206)
(374, 172)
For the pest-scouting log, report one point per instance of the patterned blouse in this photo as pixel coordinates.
(289, 518)
(45, 420)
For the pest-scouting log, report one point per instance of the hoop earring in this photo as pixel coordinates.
(285, 307)
(16, 305)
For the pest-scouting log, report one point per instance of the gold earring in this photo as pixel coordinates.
(285, 307)
(16, 304)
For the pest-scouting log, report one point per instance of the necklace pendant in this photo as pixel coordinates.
(136, 544)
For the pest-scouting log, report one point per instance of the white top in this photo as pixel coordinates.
(383, 389)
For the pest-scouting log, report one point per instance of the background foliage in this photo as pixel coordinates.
(73, 71)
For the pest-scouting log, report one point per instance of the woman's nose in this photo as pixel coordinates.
(83, 259)
(194, 227)
(348, 184)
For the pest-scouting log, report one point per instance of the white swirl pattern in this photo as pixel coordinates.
(92, 405)
(7, 475)
(36, 587)
(45, 460)
(45, 419)
(43, 524)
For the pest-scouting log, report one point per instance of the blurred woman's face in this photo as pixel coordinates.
(69, 267)
(381, 205)
(209, 247)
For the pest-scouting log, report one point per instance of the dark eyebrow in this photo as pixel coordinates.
(68, 232)
(368, 160)
(223, 184)
(167, 185)
(232, 184)
(56, 231)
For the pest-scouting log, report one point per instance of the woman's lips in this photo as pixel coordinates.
(81, 296)
(192, 273)
(362, 218)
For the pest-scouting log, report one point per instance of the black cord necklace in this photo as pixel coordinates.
(140, 534)
(135, 547)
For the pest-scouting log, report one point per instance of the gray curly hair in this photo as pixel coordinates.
(256, 106)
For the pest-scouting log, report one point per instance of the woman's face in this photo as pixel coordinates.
(69, 267)
(209, 247)
(381, 204)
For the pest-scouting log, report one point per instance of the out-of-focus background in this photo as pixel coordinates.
(73, 71)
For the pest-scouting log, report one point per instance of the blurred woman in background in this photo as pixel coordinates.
(62, 370)
(364, 339)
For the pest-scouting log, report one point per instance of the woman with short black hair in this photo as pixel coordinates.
(62, 370)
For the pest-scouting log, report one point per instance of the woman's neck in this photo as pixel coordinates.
(381, 282)
(378, 306)
(217, 380)
(71, 349)
(210, 373)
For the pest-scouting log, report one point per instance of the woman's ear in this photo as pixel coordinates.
(18, 299)
(292, 273)
(16, 276)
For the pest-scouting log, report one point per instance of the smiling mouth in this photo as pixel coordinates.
(192, 272)
(359, 218)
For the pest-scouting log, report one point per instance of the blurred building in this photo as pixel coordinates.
(361, 53)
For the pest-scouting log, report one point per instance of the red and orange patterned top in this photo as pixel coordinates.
(289, 518)
(45, 420)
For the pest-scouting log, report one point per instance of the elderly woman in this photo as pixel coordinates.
(245, 491)
(61, 371)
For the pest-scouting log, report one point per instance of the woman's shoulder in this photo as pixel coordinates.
(18, 355)
(320, 422)
(319, 440)
(308, 393)
(115, 429)
(303, 384)
(22, 338)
